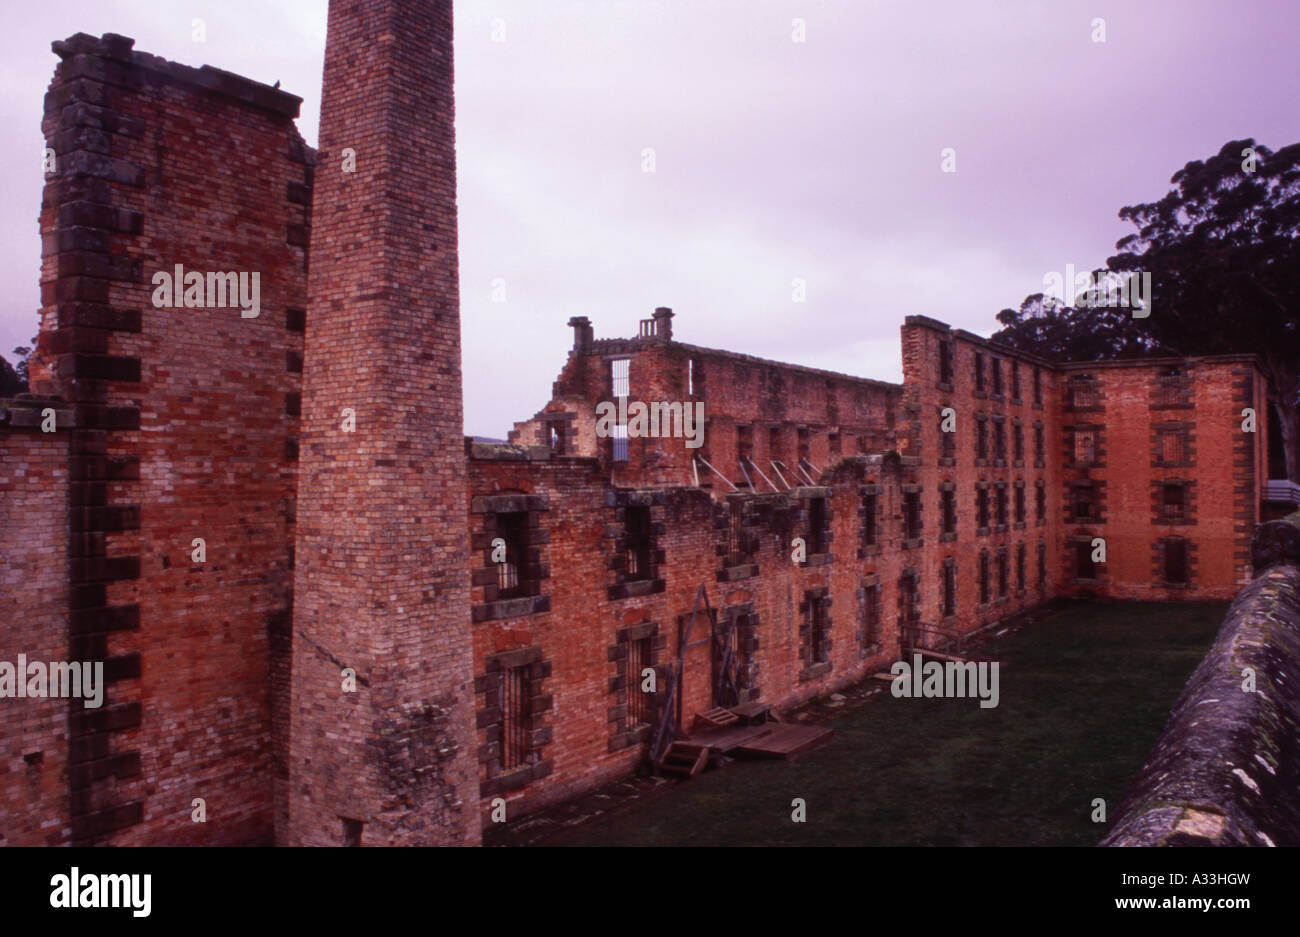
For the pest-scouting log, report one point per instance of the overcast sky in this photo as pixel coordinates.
(774, 159)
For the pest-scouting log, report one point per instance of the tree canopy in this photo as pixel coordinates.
(1223, 251)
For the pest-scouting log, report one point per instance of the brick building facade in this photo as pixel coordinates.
(497, 605)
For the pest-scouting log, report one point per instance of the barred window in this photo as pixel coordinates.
(1173, 501)
(1172, 388)
(1172, 445)
(639, 708)
(1083, 392)
(514, 701)
(1085, 445)
(619, 382)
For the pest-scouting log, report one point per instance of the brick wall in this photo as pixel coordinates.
(572, 627)
(927, 396)
(34, 622)
(1200, 401)
(183, 419)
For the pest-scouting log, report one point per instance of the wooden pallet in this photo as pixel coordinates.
(715, 719)
(784, 741)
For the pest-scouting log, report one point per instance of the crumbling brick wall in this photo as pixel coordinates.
(761, 409)
(572, 631)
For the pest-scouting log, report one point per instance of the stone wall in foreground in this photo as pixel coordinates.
(1226, 771)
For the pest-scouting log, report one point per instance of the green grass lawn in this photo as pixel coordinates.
(1084, 694)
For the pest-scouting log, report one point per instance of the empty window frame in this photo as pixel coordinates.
(816, 539)
(1084, 567)
(640, 543)
(513, 574)
(911, 515)
(945, 362)
(948, 510)
(870, 615)
(949, 588)
(1083, 503)
(1175, 557)
(869, 531)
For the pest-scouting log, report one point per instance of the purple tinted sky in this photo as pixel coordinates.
(774, 159)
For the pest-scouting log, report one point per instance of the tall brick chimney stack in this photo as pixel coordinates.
(382, 583)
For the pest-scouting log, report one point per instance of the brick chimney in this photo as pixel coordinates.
(664, 324)
(382, 582)
(582, 334)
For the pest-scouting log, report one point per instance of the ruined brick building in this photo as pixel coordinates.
(348, 527)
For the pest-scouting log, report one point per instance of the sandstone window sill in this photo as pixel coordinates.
(814, 671)
(510, 608)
